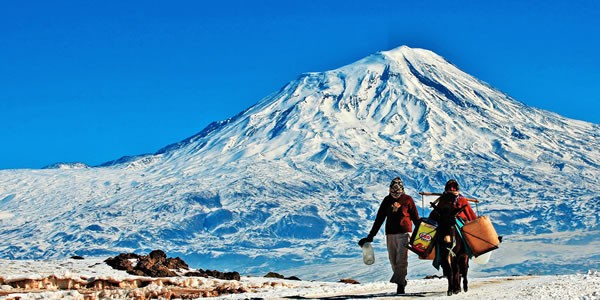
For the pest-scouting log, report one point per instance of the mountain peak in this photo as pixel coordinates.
(406, 51)
(406, 62)
(400, 55)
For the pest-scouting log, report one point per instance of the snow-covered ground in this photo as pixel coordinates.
(93, 279)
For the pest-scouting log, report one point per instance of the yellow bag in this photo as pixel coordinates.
(423, 237)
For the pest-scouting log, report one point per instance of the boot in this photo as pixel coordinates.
(400, 289)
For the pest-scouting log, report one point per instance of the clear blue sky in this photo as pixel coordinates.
(92, 81)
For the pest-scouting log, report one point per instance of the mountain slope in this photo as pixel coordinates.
(297, 178)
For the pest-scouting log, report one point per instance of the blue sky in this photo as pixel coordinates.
(92, 81)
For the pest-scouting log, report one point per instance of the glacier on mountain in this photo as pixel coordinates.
(296, 179)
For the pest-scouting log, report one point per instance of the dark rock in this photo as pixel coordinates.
(195, 274)
(160, 271)
(274, 275)
(77, 257)
(156, 264)
(130, 256)
(153, 265)
(176, 264)
(279, 276)
(224, 276)
(157, 255)
(120, 262)
(293, 278)
(232, 276)
(349, 281)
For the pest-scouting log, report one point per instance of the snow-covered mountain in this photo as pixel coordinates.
(297, 178)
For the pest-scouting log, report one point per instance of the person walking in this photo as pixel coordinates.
(399, 212)
(452, 195)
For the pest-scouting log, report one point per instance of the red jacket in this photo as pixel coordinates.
(467, 214)
(400, 214)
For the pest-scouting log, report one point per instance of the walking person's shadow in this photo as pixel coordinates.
(372, 296)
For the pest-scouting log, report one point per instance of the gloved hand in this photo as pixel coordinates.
(368, 239)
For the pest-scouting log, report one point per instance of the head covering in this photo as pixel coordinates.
(396, 187)
(451, 184)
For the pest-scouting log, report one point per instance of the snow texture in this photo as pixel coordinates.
(294, 181)
(577, 286)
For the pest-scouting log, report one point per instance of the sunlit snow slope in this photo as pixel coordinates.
(297, 178)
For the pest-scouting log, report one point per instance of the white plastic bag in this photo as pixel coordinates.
(368, 254)
(483, 258)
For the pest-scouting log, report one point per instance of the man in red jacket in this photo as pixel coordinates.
(400, 211)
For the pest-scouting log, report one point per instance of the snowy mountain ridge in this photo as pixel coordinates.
(297, 178)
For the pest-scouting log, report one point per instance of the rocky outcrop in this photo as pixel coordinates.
(155, 264)
(279, 276)
(349, 281)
